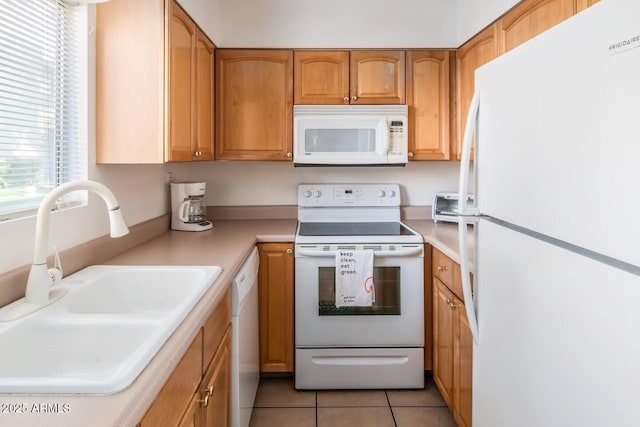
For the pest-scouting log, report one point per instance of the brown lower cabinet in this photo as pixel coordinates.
(452, 339)
(198, 392)
(275, 302)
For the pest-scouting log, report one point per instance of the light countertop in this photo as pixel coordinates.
(226, 245)
(444, 237)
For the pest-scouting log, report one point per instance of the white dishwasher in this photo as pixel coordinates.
(245, 366)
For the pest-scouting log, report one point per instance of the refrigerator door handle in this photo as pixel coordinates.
(465, 158)
(467, 293)
(463, 209)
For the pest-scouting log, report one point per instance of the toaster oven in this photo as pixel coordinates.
(445, 206)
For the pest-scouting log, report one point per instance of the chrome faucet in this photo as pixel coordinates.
(39, 279)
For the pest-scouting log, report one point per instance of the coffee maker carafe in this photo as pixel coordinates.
(188, 211)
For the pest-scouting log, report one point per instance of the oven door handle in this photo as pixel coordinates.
(379, 254)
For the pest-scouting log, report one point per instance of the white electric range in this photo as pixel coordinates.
(377, 346)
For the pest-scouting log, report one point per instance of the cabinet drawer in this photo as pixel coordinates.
(443, 268)
(215, 327)
(176, 394)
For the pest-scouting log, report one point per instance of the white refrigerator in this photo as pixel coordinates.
(555, 309)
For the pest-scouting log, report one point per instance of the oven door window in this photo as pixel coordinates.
(387, 285)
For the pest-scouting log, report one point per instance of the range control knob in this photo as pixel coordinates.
(391, 193)
(306, 193)
(317, 193)
(380, 193)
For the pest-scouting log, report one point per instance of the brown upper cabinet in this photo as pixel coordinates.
(529, 19)
(349, 77)
(153, 105)
(254, 119)
(428, 99)
(190, 89)
(473, 54)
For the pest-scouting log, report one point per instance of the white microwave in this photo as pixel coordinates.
(350, 135)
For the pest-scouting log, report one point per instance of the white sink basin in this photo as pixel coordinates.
(135, 290)
(99, 336)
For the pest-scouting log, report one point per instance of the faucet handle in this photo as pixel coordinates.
(55, 273)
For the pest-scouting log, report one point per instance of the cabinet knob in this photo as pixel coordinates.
(289, 251)
(354, 98)
(205, 401)
(345, 99)
(410, 154)
(207, 394)
(442, 268)
(289, 155)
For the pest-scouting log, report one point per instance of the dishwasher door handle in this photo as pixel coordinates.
(380, 254)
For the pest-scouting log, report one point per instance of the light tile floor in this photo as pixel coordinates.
(279, 404)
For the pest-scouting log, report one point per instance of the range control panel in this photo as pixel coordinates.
(336, 195)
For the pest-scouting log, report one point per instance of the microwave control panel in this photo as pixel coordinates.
(336, 195)
(396, 137)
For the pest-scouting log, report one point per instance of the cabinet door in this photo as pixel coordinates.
(275, 301)
(463, 359)
(130, 98)
(182, 71)
(531, 18)
(254, 103)
(204, 97)
(583, 4)
(175, 397)
(321, 77)
(429, 104)
(476, 52)
(377, 77)
(193, 415)
(443, 340)
(216, 399)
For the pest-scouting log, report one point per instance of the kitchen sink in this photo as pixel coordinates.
(135, 290)
(99, 336)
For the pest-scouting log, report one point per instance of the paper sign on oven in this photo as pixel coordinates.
(354, 278)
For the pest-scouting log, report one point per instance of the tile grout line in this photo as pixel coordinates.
(393, 417)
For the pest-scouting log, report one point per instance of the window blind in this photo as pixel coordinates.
(42, 137)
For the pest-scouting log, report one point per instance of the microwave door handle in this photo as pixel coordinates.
(385, 137)
(380, 254)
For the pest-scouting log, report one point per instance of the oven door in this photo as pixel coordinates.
(394, 320)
